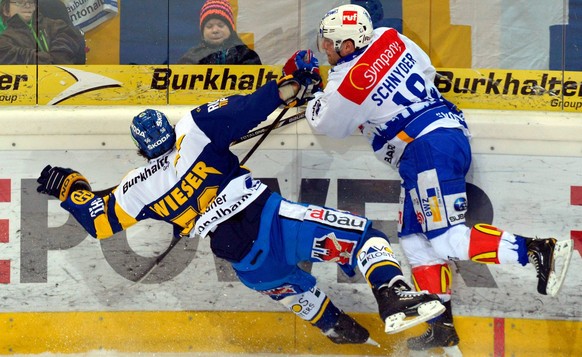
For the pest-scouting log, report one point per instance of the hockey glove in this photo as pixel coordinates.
(60, 182)
(301, 60)
(298, 88)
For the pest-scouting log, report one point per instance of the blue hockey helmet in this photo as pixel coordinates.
(152, 133)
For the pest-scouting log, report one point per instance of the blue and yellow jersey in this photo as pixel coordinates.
(199, 183)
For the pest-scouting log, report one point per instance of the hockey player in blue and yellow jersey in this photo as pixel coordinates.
(193, 181)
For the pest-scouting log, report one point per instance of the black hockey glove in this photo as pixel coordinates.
(60, 182)
(298, 88)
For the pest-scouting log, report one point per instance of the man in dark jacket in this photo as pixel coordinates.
(220, 42)
(31, 38)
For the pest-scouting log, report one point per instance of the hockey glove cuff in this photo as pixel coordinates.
(59, 182)
(298, 88)
(301, 60)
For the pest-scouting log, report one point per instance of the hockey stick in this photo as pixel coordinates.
(267, 131)
(261, 130)
(159, 259)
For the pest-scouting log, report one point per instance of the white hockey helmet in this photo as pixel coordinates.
(346, 22)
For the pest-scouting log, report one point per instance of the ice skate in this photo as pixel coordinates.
(398, 302)
(440, 333)
(348, 330)
(551, 259)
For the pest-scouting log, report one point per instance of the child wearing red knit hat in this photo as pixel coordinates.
(220, 42)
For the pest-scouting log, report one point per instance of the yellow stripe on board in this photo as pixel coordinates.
(543, 338)
(257, 332)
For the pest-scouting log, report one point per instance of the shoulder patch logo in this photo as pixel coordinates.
(372, 66)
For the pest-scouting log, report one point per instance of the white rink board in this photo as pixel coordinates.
(530, 195)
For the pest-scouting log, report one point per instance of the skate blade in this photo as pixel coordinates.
(453, 351)
(370, 341)
(562, 254)
(398, 322)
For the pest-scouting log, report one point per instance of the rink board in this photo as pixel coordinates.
(62, 291)
(262, 332)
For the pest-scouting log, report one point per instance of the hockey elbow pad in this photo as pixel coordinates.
(59, 182)
(89, 211)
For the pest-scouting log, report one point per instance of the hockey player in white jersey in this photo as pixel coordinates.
(381, 83)
(193, 181)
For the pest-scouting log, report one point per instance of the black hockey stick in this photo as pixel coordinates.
(261, 130)
(273, 125)
(159, 259)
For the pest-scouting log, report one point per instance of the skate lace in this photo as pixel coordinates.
(426, 333)
(534, 260)
(402, 292)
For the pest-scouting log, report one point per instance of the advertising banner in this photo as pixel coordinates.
(88, 14)
(52, 264)
(195, 85)
(511, 89)
(128, 84)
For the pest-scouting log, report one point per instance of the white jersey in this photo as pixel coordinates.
(191, 186)
(195, 186)
(387, 91)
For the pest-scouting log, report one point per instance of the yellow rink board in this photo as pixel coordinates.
(261, 332)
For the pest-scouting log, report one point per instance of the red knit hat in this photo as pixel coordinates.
(217, 9)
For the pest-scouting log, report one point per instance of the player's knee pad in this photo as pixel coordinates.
(436, 279)
(371, 232)
(313, 306)
(418, 250)
(377, 262)
(484, 244)
(453, 244)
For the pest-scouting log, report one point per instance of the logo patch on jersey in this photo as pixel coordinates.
(80, 197)
(456, 206)
(460, 204)
(350, 17)
(375, 254)
(335, 218)
(161, 163)
(217, 104)
(372, 66)
(330, 249)
(315, 109)
(281, 291)
(420, 218)
(431, 205)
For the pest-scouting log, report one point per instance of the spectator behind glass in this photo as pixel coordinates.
(56, 9)
(220, 42)
(31, 38)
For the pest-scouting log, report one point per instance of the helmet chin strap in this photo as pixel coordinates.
(339, 49)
